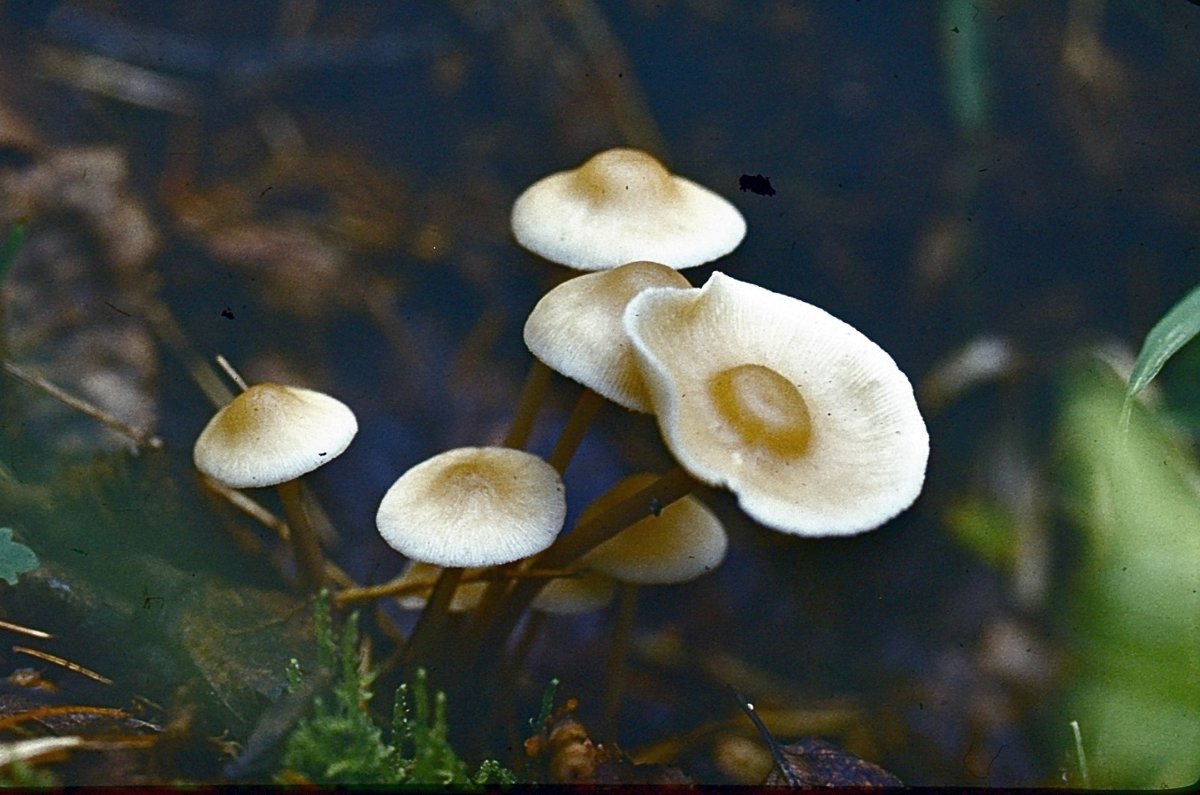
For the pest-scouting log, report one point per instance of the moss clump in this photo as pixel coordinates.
(340, 743)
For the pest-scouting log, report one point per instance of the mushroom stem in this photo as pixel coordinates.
(491, 627)
(586, 408)
(618, 651)
(433, 618)
(310, 563)
(528, 405)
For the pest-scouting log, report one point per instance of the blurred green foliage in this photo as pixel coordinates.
(985, 528)
(15, 557)
(1135, 494)
(10, 247)
(1176, 329)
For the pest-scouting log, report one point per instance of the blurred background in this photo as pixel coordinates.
(1003, 194)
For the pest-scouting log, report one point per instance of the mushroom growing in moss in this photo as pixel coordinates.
(623, 205)
(808, 422)
(270, 435)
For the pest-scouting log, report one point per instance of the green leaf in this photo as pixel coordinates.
(15, 557)
(1178, 327)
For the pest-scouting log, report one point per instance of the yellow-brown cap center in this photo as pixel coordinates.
(763, 408)
(616, 173)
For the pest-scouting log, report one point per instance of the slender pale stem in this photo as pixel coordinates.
(433, 618)
(586, 408)
(310, 565)
(528, 405)
(492, 628)
(617, 656)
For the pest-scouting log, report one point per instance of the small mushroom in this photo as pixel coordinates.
(577, 329)
(418, 579)
(684, 541)
(582, 593)
(270, 435)
(473, 506)
(811, 424)
(623, 205)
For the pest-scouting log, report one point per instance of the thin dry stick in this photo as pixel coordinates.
(233, 374)
(166, 327)
(70, 666)
(33, 633)
(139, 437)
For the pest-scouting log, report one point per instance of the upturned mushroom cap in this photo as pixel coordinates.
(583, 593)
(577, 329)
(683, 542)
(271, 434)
(811, 424)
(623, 205)
(473, 506)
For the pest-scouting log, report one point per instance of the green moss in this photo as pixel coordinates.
(340, 743)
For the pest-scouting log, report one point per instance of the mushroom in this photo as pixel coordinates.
(582, 593)
(623, 205)
(270, 435)
(577, 329)
(471, 506)
(418, 579)
(684, 541)
(681, 542)
(808, 422)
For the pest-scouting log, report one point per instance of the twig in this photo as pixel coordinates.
(70, 666)
(139, 437)
(33, 633)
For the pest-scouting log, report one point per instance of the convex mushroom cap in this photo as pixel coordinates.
(473, 506)
(623, 205)
(808, 422)
(271, 434)
(683, 542)
(577, 329)
(582, 593)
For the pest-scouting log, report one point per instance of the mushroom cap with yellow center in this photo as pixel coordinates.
(808, 422)
(623, 205)
(577, 329)
(473, 506)
(271, 434)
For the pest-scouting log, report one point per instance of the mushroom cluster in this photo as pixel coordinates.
(810, 424)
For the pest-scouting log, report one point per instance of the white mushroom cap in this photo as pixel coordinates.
(473, 506)
(583, 593)
(271, 434)
(577, 329)
(683, 542)
(811, 424)
(423, 576)
(623, 205)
